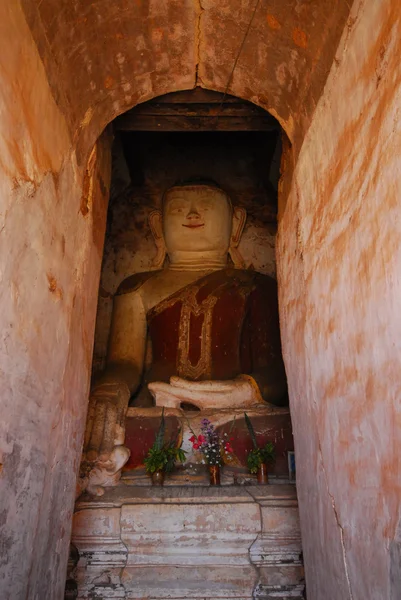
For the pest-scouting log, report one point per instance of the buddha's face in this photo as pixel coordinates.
(197, 218)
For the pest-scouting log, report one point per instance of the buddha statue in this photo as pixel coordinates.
(198, 329)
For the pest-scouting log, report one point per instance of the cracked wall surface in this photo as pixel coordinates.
(104, 57)
(339, 265)
(49, 267)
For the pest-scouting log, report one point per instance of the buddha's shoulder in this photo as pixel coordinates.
(133, 283)
(250, 276)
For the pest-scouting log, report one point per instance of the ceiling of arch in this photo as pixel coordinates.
(105, 56)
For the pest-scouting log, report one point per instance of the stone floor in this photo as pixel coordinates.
(189, 542)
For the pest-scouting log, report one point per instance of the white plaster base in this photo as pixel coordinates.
(183, 543)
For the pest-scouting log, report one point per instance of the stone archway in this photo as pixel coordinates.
(102, 59)
(101, 584)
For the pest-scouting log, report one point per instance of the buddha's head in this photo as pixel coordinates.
(197, 225)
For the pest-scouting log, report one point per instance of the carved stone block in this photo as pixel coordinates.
(189, 543)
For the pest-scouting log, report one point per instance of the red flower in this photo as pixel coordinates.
(228, 448)
(195, 446)
(192, 438)
(201, 439)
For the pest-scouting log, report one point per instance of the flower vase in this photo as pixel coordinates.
(262, 474)
(158, 477)
(214, 472)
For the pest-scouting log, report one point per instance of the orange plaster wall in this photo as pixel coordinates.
(49, 270)
(339, 267)
(102, 58)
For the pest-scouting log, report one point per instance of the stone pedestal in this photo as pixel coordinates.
(189, 543)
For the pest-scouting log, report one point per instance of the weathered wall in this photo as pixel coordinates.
(339, 262)
(104, 57)
(49, 267)
(100, 58)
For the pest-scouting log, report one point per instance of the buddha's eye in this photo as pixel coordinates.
(176, 209)
(205, 205)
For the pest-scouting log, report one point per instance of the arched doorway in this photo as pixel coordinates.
(190, 136)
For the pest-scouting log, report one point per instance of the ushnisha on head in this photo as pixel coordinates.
(197, 228)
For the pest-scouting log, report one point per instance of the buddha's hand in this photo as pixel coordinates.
(105, 429)
(242, 391)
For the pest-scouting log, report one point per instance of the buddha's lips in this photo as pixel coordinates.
(193, 226)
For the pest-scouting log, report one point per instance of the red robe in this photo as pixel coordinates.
(222, 325)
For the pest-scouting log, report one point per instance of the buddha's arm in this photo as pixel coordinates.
(239, 392)
(264, 345)
(111, 393)
(126, 351)
(271, 381)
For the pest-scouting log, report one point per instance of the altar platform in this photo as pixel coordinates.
(180, 542)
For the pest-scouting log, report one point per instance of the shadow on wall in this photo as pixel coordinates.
(395, 565)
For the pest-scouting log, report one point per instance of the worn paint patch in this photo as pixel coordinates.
(300, 37)
(53, 286)
(108, 82)
(273, 22)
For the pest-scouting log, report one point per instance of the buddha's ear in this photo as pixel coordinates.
(239, 220)
(156, 227)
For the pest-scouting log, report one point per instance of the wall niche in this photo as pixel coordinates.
(240, 153)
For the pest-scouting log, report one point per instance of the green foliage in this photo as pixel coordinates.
(162, 456)
(163, 459)
(258, 455)
(156, 459)
(254, 460)
(251, 431)
(159, 441)
(268, 453)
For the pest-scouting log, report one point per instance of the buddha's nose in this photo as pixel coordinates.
(193, 214)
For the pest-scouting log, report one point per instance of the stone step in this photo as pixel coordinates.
(266, 592)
